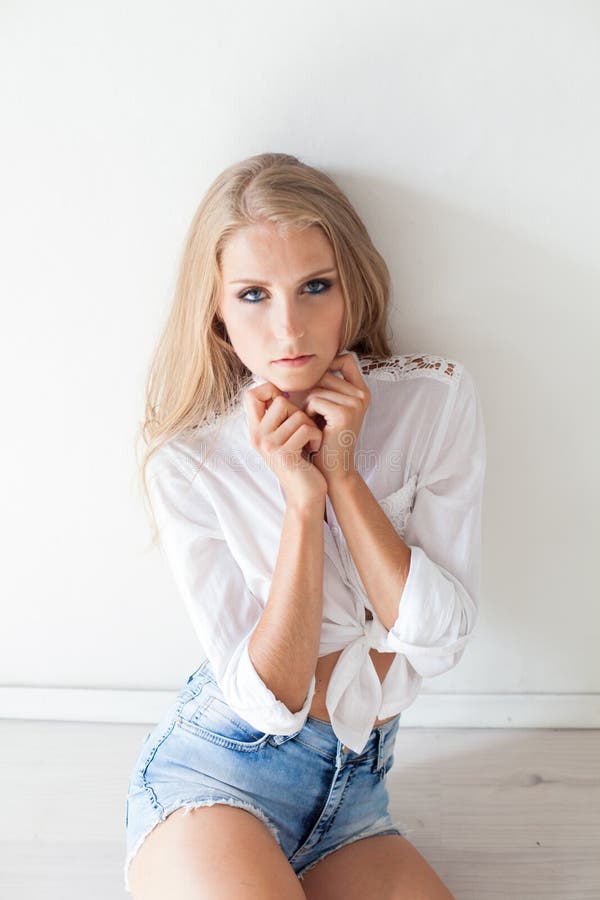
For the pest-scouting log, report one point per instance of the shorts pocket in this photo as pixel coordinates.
(209, 716)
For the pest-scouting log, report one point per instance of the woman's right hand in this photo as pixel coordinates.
(280, 432)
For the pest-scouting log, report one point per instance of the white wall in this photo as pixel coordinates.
(466, 134)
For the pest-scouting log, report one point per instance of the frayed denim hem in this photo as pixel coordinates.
(399, 828)
(195, 804)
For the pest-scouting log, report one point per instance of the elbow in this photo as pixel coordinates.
(252, 698)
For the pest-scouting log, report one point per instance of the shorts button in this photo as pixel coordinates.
(344, 748)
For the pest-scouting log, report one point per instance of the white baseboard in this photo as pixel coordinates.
(429, 710)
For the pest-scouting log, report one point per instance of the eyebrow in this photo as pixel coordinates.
(268, 283)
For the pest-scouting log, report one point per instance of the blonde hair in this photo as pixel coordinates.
(195, 376)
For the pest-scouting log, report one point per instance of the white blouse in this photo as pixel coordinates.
(421, 451)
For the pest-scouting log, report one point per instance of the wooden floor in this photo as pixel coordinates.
(499, 813)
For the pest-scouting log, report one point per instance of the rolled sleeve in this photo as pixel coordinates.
(249, 696)
(431, 618)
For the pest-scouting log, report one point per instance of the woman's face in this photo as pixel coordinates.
(275, 305)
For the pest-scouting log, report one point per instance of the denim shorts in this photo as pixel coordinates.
(312, 792)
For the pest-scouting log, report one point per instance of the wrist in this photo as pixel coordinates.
(307, 507)
(342, 479)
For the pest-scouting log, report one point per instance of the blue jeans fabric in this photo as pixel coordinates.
(314, 794)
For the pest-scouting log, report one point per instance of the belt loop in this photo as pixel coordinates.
(380, 743)
(200, 670)
(277, 739)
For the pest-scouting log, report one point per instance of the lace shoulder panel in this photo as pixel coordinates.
(410, 365)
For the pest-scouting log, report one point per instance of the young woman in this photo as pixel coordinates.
(318, 500)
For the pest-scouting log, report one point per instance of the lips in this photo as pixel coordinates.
(288, 358)
(294, 362)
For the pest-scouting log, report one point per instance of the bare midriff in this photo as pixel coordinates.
(325, 666)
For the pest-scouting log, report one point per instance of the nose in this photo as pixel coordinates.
(288, 319)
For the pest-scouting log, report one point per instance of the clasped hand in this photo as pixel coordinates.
(338, 406)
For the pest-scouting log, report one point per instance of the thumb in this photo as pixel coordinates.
(315, 444)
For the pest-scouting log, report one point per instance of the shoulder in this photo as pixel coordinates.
(181, 455)
(410, 366)
(194, 454)
(416, 396)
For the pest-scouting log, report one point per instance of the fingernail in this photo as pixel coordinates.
(285, 393)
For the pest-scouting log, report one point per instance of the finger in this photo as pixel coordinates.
(290, 425)
(257, 401)
(279, 411)
(339, 397)
(315, 445)
(302, 436)
(345, 363)
(329, 380)
(295, 423)
(327, 408)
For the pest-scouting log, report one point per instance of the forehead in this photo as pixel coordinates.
(267, 244)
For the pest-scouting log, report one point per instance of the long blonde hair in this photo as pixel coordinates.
(195, 376)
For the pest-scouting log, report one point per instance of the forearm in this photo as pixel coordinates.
(285, 644)
(380, 555)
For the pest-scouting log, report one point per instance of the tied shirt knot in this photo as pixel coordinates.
(355, 680)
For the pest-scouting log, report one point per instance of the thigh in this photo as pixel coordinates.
(384, 867)
(212, 853)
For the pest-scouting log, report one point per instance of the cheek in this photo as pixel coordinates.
(242, 328)
(332, 312)
(335, 316)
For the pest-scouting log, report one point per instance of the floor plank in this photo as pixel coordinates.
(499, 813)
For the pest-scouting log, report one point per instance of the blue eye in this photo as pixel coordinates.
(323, 281)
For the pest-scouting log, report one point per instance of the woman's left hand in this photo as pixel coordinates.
(342, 404)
